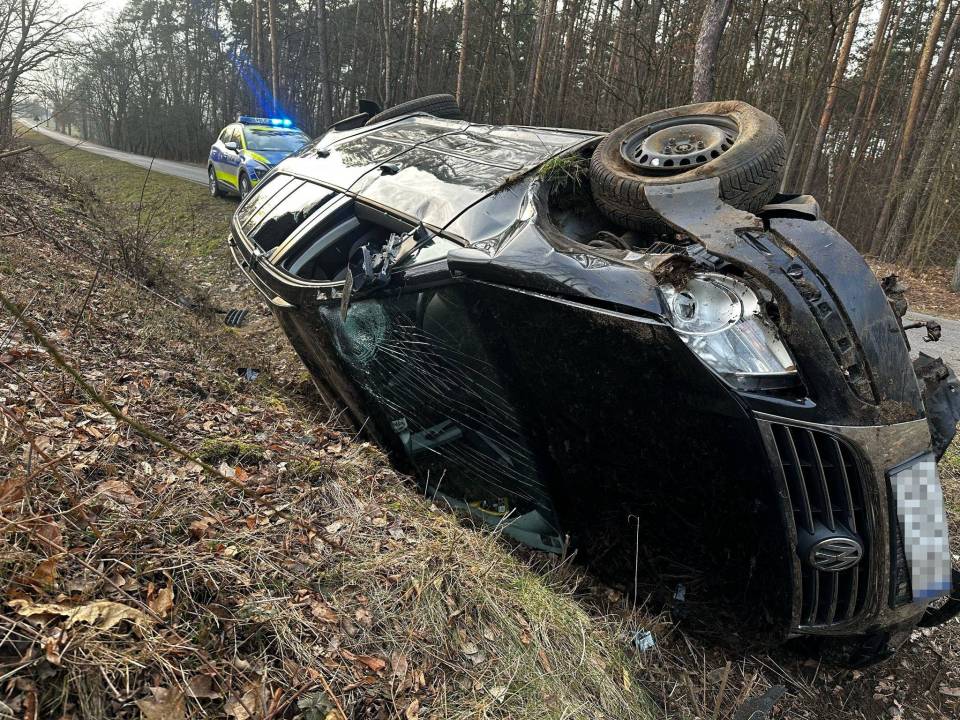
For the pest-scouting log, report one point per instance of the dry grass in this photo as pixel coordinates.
(390, 608)
(362, 598)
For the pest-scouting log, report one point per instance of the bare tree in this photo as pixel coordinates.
(32, 32)
(712, 23)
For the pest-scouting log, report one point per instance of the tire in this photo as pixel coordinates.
(442, 105)
(212, 184)
(245, 186)
(749, 168)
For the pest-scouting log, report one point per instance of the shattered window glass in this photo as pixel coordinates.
(421, 363)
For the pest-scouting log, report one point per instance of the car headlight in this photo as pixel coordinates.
(719, 318)
(257, 169)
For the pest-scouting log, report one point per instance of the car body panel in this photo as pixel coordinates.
(541, 378)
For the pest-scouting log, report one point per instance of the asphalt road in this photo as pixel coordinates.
(948, 348)
(187, 171)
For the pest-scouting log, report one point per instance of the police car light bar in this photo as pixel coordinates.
(276, 122)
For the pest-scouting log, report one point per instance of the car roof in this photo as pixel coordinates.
(271, 128)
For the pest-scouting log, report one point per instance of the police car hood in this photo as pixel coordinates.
(268, 157)
(428, 168)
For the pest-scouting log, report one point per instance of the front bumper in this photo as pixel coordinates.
(839, 477)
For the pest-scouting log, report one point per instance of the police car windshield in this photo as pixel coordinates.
(269, 140)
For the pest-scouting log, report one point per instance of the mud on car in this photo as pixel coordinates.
(630, 344)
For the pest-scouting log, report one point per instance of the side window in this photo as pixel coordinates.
(237, 136)
(225, 135)
(263, 199)
(273, 222)
(325, 249)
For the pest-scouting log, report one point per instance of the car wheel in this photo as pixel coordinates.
(442, 105)
(732, 141)
(245, 186)
(214, 186)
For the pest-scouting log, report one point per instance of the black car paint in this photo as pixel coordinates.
(564, 371)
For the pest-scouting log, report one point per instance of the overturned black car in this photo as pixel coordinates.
(628, 343)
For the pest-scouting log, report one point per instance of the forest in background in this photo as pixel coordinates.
(868, 91)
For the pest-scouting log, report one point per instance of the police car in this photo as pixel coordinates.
(246, 150)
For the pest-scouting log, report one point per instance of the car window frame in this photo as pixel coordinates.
(269, 261)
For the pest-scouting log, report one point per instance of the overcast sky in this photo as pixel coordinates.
(100, 8)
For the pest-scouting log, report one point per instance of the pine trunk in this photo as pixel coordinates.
(712, 24)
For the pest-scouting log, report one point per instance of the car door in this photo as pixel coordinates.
(233, 159)
(218, 153)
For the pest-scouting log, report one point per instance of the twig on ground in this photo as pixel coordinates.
(18, 151)
(86, 298)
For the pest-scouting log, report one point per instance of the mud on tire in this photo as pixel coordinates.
(749, 169)
(442, 105)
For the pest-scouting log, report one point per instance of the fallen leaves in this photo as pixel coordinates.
(11, 491)
(166, 704)
(118, 491)
(160, 601)
(199, 529)
(375, 664)
(102, 614)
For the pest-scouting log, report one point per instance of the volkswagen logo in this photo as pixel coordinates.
(836, 553)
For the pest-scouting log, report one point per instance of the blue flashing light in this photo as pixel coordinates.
(276, 122)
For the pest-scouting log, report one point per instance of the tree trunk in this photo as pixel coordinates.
(872, 60)
(323, 67)
(913, 110)
(573, 10)
(827, 115)
(255, 24)
(417, 44)
(547, 8)
(387, 75)
(461, 67)
(922, 171)
(712, 23)
(274, 55)
(864, 136)
(943, 60)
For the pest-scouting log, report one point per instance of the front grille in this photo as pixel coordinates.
(825, 486)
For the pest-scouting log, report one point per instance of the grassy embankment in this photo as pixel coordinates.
(407, 591)
(305, 578)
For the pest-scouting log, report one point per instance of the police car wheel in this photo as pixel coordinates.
(245, 186)
(213, 184)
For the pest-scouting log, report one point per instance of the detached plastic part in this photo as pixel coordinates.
(941, 399)
(950, 608)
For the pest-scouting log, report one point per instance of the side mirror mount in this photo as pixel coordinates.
(232, 146)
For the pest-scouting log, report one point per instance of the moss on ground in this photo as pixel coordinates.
(225, 449)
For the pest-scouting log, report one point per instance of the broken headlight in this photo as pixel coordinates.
(720, 320)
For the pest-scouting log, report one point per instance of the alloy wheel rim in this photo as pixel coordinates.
(678, 144)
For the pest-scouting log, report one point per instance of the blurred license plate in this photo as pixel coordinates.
(923, 526)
